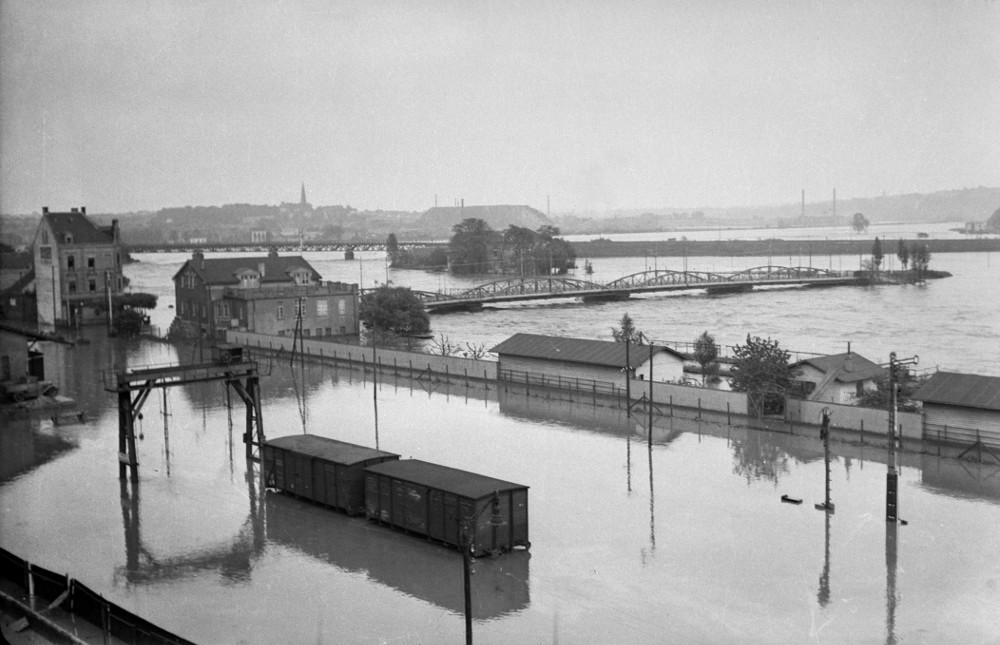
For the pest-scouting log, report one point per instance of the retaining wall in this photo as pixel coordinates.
(688, 396)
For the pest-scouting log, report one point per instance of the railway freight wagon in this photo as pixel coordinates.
(323, 470)
(433, 500)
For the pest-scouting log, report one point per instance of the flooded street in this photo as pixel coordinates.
(686, 540)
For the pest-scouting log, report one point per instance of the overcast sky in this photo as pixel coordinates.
(139, 105)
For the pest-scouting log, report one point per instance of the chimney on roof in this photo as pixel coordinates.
(45, 210)
(199, 259)
(83, 209)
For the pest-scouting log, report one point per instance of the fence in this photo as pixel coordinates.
(418, 362)
(959, 436)
(73, 596)
(851, 417)
(666, 396)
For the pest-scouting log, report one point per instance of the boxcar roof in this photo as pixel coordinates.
(329, 449)
(967, 390)
(451, 480)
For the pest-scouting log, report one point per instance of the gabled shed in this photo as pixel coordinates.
(598, 360)
(970, 401)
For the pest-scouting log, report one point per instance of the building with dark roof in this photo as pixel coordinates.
(579, 358)
(268, 295)
(837, 378)
(962, 401)
(78, 265)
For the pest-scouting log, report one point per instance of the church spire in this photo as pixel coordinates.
(302, 200)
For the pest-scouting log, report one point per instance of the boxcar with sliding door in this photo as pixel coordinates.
(323, 470)
(435, 501)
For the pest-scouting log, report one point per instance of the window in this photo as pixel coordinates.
(91, 262)
(72, 286)
(306, 332)
(71, 262)
(300, 307)
(45, 237)
(92, 284)
(341, 307)
(281, 311)
(322, 308)
(45, 252)
(859, 388)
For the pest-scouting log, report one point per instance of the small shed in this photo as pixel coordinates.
(837, 378)
(322, 470)
(433, 500)
(585, 359)
(962, 401)
(227, 353)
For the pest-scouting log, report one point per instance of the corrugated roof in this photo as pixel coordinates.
(575, 350)
(330, 449)
(452, 480)
(221, 271)
(79, 226)
(967, 390)
(850, 367)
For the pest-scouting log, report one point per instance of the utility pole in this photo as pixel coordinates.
(892, 477)
(827, 505)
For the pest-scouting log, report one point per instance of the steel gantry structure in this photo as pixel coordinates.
(133, 387)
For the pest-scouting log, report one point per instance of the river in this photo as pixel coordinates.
(683, 541)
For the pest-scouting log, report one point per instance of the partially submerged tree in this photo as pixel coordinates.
(442, 346)
(705, 353)
(394, 310)
(761, 369)
(903, 253)
(860, 223)
(626, 331)
(877, 257)
(920, 257)
(470, 246)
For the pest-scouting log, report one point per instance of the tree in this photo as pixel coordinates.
(470, 246)
(626, 331)
(903, 253)
(392, 247)
(761, 369)
(393, 309)
(442, 346)
(705, 353)
(860, 223)
(920, 257)
(877, 256)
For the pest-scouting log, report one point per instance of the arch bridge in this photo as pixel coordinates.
(549, 287)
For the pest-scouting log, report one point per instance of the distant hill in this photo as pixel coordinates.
(440, 219)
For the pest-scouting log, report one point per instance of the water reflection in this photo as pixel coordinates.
(414, 566)
(891, 598)
(960, 478)
(24, 446)
(233, 560)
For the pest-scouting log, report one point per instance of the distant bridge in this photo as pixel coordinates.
(286, 246)
(546, 287)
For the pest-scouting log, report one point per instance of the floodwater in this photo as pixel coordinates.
(683, 540)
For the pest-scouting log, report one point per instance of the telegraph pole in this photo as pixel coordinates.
(827, 505)
(892, 478)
